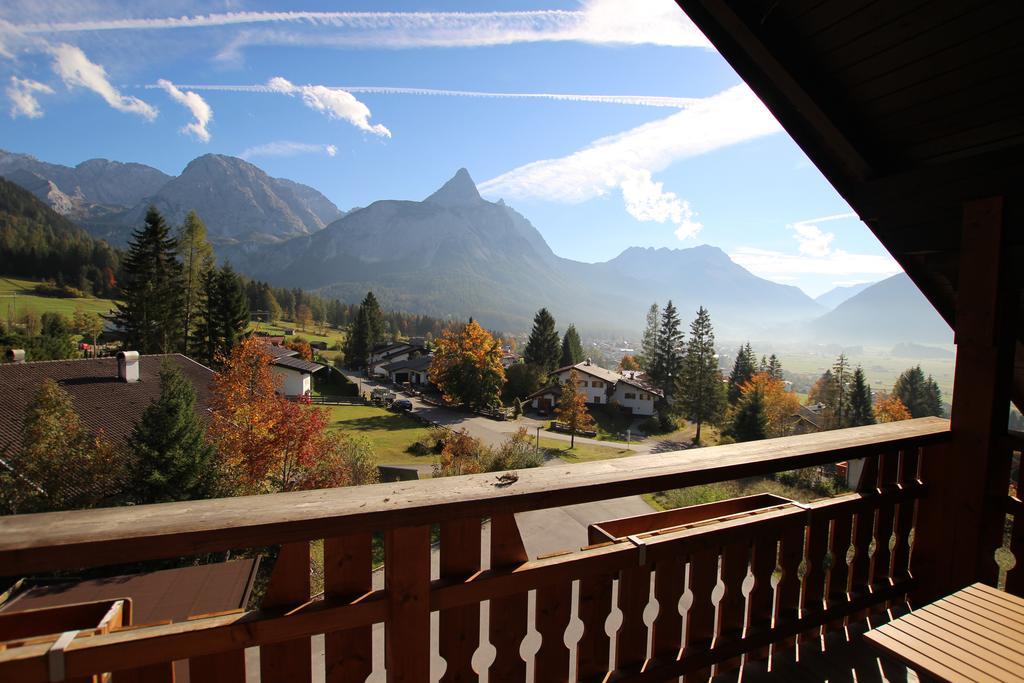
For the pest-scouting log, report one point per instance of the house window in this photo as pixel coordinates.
(597, 399)
(630, 396)
(581, 383)
(597, 385)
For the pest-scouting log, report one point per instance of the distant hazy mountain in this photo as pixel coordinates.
(838, 295)
(457, 254)
(237, 200)
(886, 313)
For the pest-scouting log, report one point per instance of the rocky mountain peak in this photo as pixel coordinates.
(459, 191)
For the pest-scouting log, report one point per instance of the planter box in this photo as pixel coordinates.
(617, 529)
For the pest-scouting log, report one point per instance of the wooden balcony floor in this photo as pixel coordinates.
(842, 658)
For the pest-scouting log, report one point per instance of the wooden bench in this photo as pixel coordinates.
(975, 634)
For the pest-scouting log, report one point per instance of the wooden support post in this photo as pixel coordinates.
(289, 587)
(459, 627)
(507, 620)
(348, 574)
(407, 582)
(959, 525)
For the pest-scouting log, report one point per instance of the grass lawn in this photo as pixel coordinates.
(709, 435)
(390, 433)
(583, 452)
(278, 327)
(17, 297)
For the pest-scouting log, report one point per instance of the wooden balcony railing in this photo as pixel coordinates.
(810, 567)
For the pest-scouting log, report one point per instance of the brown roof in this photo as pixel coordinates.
(597, 371)
(296, 363)
(100, 398)
(168, 594)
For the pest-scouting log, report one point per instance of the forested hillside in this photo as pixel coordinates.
(37, 242)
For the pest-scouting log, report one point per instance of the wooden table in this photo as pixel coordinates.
(975, 634)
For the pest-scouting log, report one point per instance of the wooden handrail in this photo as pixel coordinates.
(60, 540)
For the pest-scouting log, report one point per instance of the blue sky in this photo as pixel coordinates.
(627, 128)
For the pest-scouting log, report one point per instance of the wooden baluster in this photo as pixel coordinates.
(700, 618)
(507, 623)
(762, 595)
(667, 630)
(631, 641)
(289, 587)
(863, 534)
(812, 599)
(553, 611)
(839, 573)
(881, 563)
(787, 604)
(348, 573)
(733, 606)
(223, 667)
(593, 652)
(905, 514)
(460, 626)
(407, 583)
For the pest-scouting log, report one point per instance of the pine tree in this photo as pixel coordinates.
(920, 395)
(196, 255)
(572, 409)
(173, 460)
(222, 315)
(543, 348)
(861, 412)
(649, 343)
(932, 397)
(774, 367)
(572, 348)
(840, 407)
(667, 365)
(750, 422)
(700, 387)
(376, 328)
(366, 332)
(152, 290)
(742, 370)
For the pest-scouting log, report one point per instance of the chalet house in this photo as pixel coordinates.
(393, 352)
(599, 386)
(294, 374)
(412, 370)
(913, 112)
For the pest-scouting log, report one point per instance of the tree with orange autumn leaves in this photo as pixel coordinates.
(267, 443)
(779, 405)
(467, 366)
(888, 408)
(572, 409)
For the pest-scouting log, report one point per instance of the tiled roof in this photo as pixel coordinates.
(101, 399)
(641, 382)
(418, 364)
(553, 389)
(296, 363)
(280, 351)
(592, 370)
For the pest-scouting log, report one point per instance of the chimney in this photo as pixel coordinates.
(588, 362)
(15, 356)
(128, 366)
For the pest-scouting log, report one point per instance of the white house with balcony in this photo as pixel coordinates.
(599, 386)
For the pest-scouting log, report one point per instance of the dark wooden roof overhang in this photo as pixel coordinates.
(908, 107)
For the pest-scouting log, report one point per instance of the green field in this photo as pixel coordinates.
(17, 298)
(278, 327)
(583, 452)
(390, 433)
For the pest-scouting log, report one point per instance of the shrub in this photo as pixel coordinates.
(517, 452)
(420, 447)
(53, 290)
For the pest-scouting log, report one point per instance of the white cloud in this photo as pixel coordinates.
(647, 200)
(75, 69)
(335, 103)
(771, 264)
(637, 100)
(657, 22)
(22, 93)
(625, 161)
(199, 108)
(286, 148)
(811, 239)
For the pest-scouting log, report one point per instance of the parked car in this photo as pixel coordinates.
(401, 404)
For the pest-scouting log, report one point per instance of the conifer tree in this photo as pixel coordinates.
(152, 290)
(774, 368)
(196, 256)
(700, 389)
(750, 422)
(173, 460)
(366, 332)
(649, 343)
(572, 348)
(572, 409)
(742, 370)
(543, 348)
(920, 395)
(667, 365)
(840, 406)
(222, 316)
(861, 411)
